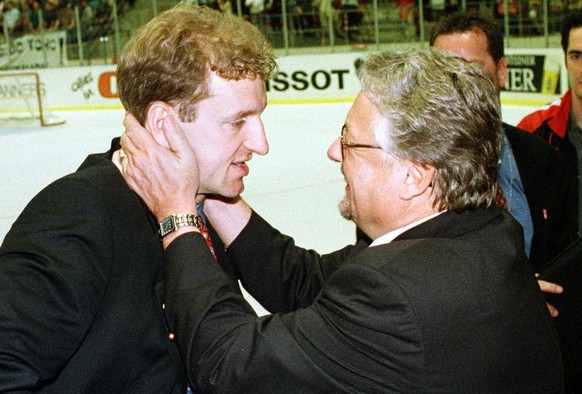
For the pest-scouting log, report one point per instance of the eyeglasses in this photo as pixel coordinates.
(345, 144)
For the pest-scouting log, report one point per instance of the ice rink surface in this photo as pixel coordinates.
(296, 187)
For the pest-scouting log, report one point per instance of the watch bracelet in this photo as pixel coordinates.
(188, 219)
(175, 221)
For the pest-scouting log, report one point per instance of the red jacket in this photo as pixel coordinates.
(554, 116)
(551, 124)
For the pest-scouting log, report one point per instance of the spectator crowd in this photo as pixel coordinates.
(20, 17)
(348, 21)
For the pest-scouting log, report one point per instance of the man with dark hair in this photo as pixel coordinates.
(530, 173)
(559, 123)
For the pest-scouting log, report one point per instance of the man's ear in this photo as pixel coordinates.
(418, 180)
(502, 72)
(154, 122)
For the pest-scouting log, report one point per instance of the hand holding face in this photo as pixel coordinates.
(165, 177)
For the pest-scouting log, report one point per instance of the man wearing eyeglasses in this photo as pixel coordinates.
(442, 300)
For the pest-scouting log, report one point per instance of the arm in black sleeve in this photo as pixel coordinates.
(276, 272)
(330, 346)
(54, 268)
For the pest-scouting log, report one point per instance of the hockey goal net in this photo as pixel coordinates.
(22, 99)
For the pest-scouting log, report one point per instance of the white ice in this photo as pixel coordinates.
(295, 187)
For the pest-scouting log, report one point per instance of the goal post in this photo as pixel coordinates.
(22, 99)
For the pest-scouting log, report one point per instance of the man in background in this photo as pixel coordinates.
(81, 270)
(559, 125)
(530, 174)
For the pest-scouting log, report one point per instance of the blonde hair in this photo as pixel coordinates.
(169, 58)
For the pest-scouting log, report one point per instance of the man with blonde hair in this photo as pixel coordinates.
(81, 270)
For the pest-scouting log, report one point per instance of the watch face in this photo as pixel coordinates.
(167, 225)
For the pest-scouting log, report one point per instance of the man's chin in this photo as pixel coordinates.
(345, 209)
(226, 193)
(232, 192)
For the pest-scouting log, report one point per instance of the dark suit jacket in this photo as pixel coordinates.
(543, 175)
(450, 306)
(81, 287)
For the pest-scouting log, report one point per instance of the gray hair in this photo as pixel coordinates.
(438, 110)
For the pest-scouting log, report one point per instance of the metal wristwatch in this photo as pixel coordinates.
(175, 221)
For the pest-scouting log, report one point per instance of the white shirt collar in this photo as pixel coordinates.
(389, 237)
